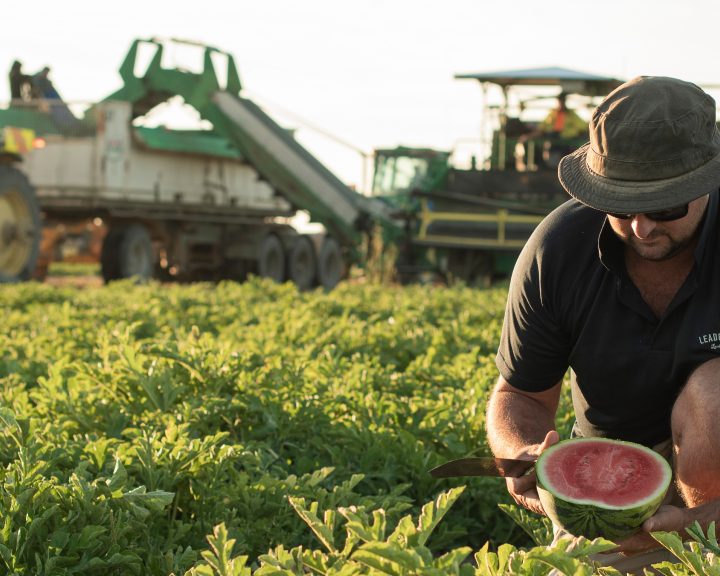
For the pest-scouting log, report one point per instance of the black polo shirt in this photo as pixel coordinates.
(572, 304)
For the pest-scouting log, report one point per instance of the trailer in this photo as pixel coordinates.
(178, 204)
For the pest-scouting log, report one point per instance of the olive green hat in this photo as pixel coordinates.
(654, 144)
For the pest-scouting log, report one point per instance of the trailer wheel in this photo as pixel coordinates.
(473, 267)
(135, 254)
(302, 265)
(127, 252)
(20, 226)
(109, 262)
(331, 264)
(271, 258)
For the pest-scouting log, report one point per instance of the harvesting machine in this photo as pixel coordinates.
(217, 203)
(471, 223)
(182, 204)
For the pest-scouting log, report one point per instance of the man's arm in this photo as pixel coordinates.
(521, 424)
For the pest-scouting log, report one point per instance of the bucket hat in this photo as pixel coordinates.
(654, 144)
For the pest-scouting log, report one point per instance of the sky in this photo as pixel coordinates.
(350, 76)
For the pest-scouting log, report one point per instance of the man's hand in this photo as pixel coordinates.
(523, 490)
(666, 519)
(516, 420)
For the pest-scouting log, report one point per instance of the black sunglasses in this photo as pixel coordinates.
(667, 215)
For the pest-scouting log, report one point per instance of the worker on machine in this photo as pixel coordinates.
(553, 137)
(20, 84)
(43, 86)
(562, 122)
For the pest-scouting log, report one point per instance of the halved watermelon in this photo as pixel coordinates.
(598, 487)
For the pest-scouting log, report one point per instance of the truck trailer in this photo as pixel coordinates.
(176, 204)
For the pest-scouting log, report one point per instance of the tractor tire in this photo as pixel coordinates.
(20, 226)
(331, 264)
(302, 263)
(271, 259)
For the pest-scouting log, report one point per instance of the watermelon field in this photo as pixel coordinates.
(251, 429)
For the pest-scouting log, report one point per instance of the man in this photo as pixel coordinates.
(554, 137)
(20, 83)
(562, 122)
(622, 285)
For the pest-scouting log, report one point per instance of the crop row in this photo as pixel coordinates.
(224, 429)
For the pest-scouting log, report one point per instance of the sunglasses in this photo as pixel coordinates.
(667, 215)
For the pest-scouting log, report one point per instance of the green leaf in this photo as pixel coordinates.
(119, 477)
(539, 528)
(388, 558)
(88, 538)
(486, 561)
(450, 562)
(359, 525)
(670, 540)
(323, 532)
(504, 554)
(155, 501)
(434, 512)
(560, 561)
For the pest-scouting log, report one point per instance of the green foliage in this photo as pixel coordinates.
(252, 429)
(212, 404)
(539, 528)
(699, 556)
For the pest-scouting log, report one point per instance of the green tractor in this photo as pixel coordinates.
(19, 209)
(469, 224)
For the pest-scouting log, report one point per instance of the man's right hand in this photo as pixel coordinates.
(524, 490)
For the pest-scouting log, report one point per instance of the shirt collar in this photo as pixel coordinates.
(611, 248)
(708, 226)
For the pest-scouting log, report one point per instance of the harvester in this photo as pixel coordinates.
(471, 223)
(176, 204)
(218, 202)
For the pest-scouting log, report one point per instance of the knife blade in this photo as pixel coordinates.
(483, 466)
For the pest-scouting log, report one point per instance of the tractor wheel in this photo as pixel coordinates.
(20, 226)
(331, 264)
(271, 258)
(302, 265)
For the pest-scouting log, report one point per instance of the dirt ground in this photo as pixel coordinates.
(74, 281)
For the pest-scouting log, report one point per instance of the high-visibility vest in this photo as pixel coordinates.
(17, 140)
(565, 123)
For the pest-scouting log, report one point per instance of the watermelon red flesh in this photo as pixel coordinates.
(599, 487)
(604, 472)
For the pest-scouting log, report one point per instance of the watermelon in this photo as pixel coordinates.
(599, 487)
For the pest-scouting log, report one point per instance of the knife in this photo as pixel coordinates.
(483, 466)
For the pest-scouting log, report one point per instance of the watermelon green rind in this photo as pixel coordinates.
(593, 519)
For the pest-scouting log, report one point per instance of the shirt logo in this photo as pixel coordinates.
(712, 338)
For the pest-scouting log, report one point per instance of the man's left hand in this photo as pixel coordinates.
(666, 519)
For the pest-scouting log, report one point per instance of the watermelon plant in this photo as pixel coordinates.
(253, 429)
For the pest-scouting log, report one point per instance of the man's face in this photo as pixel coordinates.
(658, 241)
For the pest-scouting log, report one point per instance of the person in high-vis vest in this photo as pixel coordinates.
(552, 138)
(563, 122)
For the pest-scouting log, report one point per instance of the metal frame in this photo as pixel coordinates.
(501, 217)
